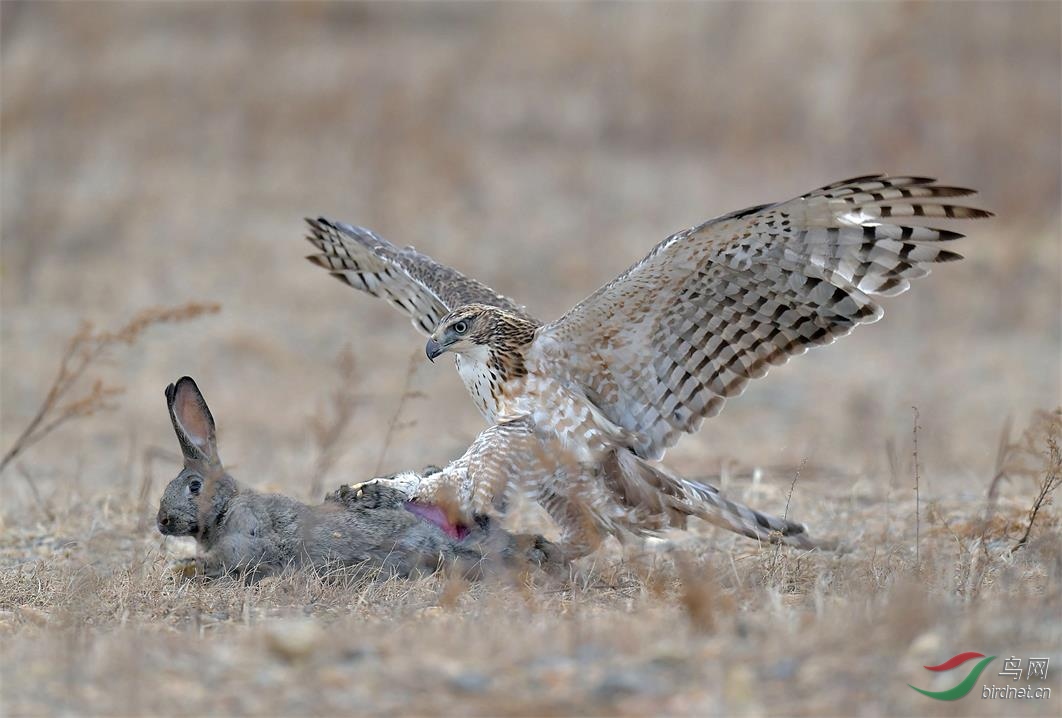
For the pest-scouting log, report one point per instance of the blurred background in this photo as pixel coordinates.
(159, 153)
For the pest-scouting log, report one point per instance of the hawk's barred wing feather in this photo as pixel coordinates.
(415, 283)
(667, 342)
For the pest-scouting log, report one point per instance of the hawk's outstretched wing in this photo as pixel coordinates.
(413, 282)
(667, 342)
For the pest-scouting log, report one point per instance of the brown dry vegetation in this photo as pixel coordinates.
(165, 153)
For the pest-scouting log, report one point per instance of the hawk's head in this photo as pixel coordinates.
(472, 328)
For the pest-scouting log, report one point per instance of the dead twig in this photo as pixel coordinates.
(330, 424)
(394, 425)
(1024, 458)
(785, 514)
(792, 486)
(1051, 480)
(84, 349)
(25, 474)
(1003, 450)
(918, 501)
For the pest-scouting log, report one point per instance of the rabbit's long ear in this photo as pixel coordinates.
(192, 422)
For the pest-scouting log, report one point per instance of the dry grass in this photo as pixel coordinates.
(94, 620)
(84, 350)
(161, 153)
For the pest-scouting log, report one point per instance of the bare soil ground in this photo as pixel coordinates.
(165, 153)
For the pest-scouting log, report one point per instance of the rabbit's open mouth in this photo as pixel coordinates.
(434, 514)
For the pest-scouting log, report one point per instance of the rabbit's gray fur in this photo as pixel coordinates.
(241, 531)
(485, 539)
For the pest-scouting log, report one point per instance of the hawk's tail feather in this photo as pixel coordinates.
(684, 497)
(716, 509)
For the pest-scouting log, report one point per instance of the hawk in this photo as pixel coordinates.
(582, 408)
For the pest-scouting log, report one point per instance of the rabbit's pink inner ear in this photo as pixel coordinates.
(188, 409)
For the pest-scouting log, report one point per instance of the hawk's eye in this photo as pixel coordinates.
(194, 486)
(460, 327)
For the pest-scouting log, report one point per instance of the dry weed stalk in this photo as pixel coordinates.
(330, 424)
(918, 498)
(395, 424)
(785, 515)
(84, 349)
(972, 559)
(1052, 477)
(1002, 452)
(28, 477)
(1024, 458)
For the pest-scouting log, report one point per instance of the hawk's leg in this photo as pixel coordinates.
(408, 483)
(580, 533)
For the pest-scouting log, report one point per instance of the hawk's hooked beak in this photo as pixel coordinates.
(433, 349)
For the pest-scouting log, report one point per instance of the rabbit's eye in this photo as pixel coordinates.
(461, 327)
(195, 485)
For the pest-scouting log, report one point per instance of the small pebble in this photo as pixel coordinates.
(470, 682)
(294, 639)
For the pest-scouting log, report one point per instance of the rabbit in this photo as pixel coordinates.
(514, 550)
(244, 533)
